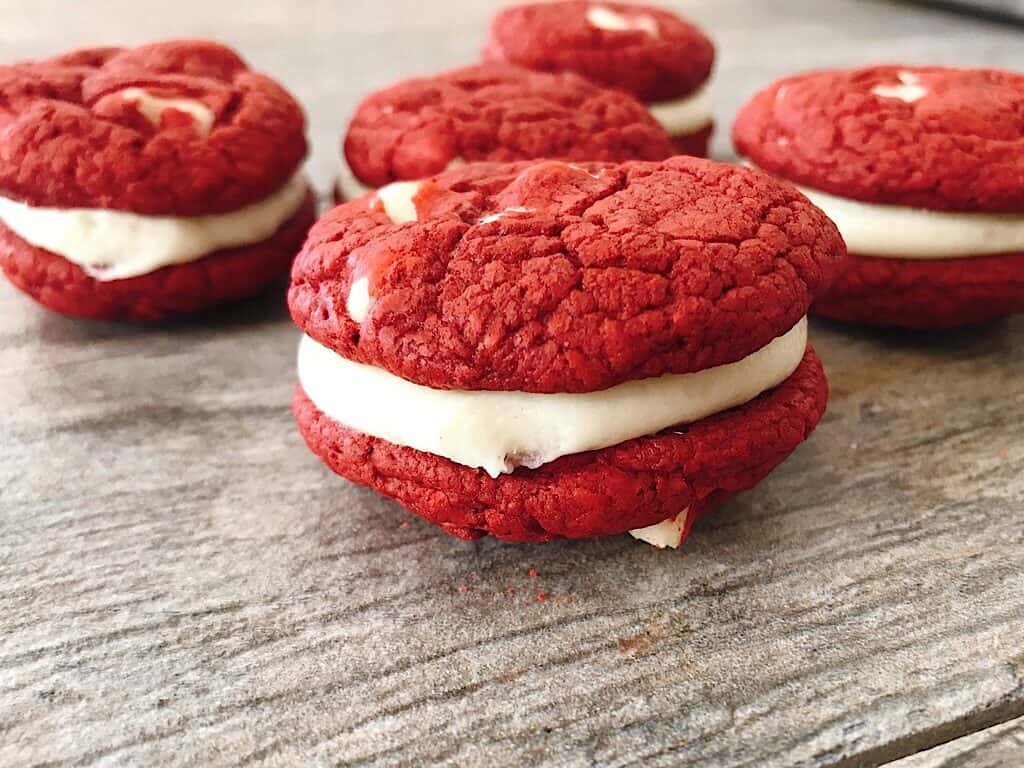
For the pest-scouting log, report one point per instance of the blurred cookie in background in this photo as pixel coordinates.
(139, 183)
(493, 112)
(651, 53)
(921, 168)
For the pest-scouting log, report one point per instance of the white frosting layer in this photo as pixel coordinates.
(668, 533)
(352, 188)
(113, 245)
(349, 186)
(686, 115)
(500, 431)
(898, 232)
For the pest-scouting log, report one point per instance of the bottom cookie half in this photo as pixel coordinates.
(925, 293)
(225, 275)
(631, 485)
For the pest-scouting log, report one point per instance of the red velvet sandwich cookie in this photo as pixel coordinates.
(495, 112)
(144, 182)
(922, 169)
(547, 350)
(648, 52)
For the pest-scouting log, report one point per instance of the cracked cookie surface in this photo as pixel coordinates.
(555, 277)
(654, 54)
(74, 134)
(499, 113)
(923, 137)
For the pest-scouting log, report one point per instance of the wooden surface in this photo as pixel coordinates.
(998, 747)
(181, 582)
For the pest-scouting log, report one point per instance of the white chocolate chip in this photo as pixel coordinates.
(359, 300)
(502, 214)
(397, 200)
(908, 90)
(581, 169)
(603, 17)
(668, 533)
(153, 107)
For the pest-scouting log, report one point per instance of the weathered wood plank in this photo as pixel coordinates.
(181, 582)
(999, 746)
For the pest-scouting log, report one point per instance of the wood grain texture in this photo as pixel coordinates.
(996, 747)
(182, 583)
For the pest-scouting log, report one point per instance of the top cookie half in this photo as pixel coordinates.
(646, 51)
(558, 277)
(498, 113)
(923, 137)
(176, 128)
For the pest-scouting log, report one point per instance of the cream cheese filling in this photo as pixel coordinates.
(114, 245)
(349, 186)
(870, 229)
(501, 431)
(684, 116)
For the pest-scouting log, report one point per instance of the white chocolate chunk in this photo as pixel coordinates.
(667, 533)
(359, 299)
(909, 88)
(603, 17)
(152, 108)
(397, 200)
(502, 214)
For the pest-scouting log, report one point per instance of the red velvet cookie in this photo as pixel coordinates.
(141, 146)
(550, 278)
(420, 127)
(648, 52)
(932, 155)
